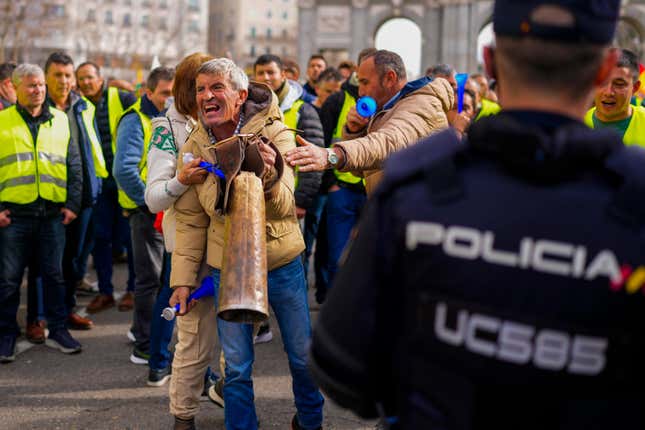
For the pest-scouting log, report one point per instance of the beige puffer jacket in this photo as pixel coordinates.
(199, 227)
(415, 116)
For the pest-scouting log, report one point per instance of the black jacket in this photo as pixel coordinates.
(329, 113)
(309, 182)
(527, 237)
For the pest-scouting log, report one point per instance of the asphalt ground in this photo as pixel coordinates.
(100, 389)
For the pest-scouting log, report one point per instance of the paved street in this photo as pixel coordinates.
(101, 389)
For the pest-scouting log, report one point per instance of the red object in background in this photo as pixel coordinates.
(158, 220)
(641, 69)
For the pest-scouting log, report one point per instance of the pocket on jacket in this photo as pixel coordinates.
(276, 230)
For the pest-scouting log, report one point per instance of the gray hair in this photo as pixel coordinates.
(385, 61)
(227, 68)
(443, 70)
(23, 70)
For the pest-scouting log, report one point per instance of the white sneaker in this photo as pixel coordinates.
(87, 287)
(131, 337)
(263, 337)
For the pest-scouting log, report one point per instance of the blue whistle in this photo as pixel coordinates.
(366, 106)
(461, 79)
(207, 288)
(209, 167)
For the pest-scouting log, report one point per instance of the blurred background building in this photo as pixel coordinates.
(246, 29)
(124, 36)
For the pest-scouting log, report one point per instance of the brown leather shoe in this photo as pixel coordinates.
(36, 331)
(77, 322)
(127, 302)
(100, 303)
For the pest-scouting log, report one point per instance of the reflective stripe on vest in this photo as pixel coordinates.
(95, 143)
(28, 171)
(338, 136)
(635, 134)
(489, 108)
(291, 118)
(146, 123)
(115, 112)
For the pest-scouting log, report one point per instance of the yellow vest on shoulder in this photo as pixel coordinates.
(635, 134)
(29, 169)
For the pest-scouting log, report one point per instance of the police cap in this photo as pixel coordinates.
(567, 21)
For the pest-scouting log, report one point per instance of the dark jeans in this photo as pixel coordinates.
(110, 226)
(288, 299)
(312, 222)
(161, 329)
(321, 258)
(35, 306)
(23, 241)
(343, 210)
(78, 244)
(148, 251)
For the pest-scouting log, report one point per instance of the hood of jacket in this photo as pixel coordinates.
(261, 106)
(292, 92)
(439, 88)
(351, 86)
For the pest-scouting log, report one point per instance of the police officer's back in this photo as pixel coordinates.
(499, 282)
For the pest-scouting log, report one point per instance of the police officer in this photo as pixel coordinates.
(498, 282)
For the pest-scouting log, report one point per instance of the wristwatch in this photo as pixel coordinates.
(332, 158)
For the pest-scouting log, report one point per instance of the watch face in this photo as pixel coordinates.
(332, 157)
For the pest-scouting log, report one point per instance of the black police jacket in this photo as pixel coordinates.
(496, 283)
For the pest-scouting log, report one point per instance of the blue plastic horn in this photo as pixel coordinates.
(206, 289)
(461, 79)
(366, 106)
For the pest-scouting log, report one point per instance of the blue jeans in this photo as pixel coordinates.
(343, 211)
(79, 241)
(32, 239)
(110, 226)
(160, 329)
(312, 221)
(288, 298)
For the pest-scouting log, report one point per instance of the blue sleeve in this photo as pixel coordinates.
(127, 99)
(129, 150)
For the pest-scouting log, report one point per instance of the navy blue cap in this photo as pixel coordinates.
(593, 21)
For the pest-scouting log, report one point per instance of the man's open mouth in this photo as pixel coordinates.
(212, 108)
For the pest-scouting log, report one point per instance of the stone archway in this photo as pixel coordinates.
(403, 36)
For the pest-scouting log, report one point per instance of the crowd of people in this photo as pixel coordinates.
(88, 168)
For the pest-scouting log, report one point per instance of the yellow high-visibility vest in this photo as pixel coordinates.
(29, 170)
(146, 123)
(635, 134)
(291, 118)
(338, 136)
(489, 108)
(115, 112)
(97, 153)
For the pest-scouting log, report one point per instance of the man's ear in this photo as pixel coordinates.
(489, 62)
(637, 86)
(608, 63)
(389, 79)
(148, 92)
(244, 94)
